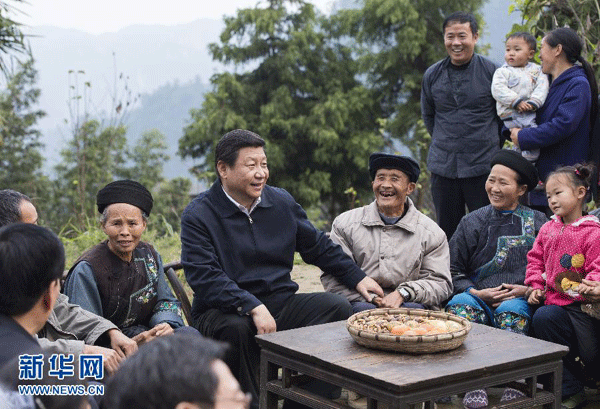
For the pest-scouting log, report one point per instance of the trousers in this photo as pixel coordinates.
(450, 196)
(243, 354)
(575, 329)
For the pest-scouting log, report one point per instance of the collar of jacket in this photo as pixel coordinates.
(408, 222)
(226, 208)
(568, 74)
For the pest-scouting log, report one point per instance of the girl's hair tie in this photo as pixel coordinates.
(577, 172)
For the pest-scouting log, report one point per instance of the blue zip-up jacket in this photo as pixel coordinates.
(563, 131)
(235, 263)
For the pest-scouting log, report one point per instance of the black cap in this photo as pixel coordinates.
(125, 191)
(406, 164)
(514, 160)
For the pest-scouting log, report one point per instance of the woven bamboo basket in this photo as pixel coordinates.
(414, 344)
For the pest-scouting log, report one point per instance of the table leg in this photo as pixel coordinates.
(268, 372)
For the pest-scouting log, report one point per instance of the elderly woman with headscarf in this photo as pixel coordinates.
(122, 278)
(488, 252)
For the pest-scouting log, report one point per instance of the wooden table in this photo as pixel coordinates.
(327, 352)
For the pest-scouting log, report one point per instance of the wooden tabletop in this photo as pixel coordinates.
(486, 351)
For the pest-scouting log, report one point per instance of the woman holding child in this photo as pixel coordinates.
(569, 112)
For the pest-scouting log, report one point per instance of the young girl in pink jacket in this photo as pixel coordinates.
(567, 250)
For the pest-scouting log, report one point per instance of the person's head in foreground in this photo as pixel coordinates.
(241, 165)
(16, 207)
(32, 261)
(394, 178)
(179, 371)
(125, 206)
(567, 188)
(510, 178)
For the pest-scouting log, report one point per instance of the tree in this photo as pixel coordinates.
(301, 94)
(147, 159)
(11, 37)
(541, 16)
(92, 159)
(395, 42)
(170, 201)
(20, 157)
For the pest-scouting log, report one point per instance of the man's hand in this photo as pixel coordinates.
(367, 285)
(590, 290)
(392, 300)
(263, 320)
(112, 359)
(514, 136)
(536, 297)
(121, 343)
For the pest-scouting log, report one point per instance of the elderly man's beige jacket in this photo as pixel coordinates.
(412, 254)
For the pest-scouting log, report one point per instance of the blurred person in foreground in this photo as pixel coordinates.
(69, 328)
(196, 377)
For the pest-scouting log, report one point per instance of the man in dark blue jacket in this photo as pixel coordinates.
(238, 242)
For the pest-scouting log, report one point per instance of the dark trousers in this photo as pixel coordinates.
(243, 355)
(450, 196)
(571, 327)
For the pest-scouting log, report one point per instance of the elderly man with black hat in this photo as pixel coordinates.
(393, 242)
(122, 278)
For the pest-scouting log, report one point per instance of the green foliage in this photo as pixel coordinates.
(92, 158)
(169, 203)
(148, 158)
(12, 39)
(303, 97)
(541, 16)
(21, 159)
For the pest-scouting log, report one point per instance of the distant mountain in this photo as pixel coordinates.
(151, 56)
(168, 110)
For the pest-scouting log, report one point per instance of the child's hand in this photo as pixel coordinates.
(536, 296)
(590, 290)
(524, 107)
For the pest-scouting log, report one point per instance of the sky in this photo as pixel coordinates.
(101, 16)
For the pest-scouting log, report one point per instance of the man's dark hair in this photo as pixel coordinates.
(10, 206)
(528, 37)
(461, 17)
(230, 144)
(31, 258)
(165, 372)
